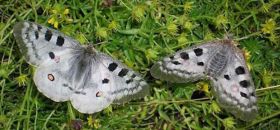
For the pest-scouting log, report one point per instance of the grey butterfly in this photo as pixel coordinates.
(223, 64)
(67, 70)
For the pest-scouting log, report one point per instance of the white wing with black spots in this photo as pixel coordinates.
(234, 88)
(37, 43)
(185, 65)
(51, 78)
(224, 64)
(68, 71)
(113, 82)
(130, 85)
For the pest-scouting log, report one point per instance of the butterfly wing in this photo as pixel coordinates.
(52, 79)
(185, 65)
(50, 51)
(38, 43)
(234, 88)
(65, 71)
(113, 82)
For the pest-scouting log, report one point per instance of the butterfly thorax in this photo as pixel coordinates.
(90, 50)
(218, 61)
(83, 61)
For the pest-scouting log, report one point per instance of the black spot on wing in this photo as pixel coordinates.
(240, 70)
(200, 63)
(48, 35)
(65, 85)
(36, 34)
(133, 75)
(70, 88)
(131, 79)
(253, 94)
(198, 51)
(51, 77)
(184, 55)
(60, 41)
(77, 92)
(243, 95)
(98, 94)
(80, 92)
(105, 81)
(112, 66)
(244, 83)
(176, 62)
(128, 81)
(123, 72)
(51, 55)
(227, 77)
(171, 57)
(39, 27)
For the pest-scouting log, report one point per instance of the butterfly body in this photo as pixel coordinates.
(220, 62)
(66, 70)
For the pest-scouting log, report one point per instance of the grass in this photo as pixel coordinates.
(140, 33)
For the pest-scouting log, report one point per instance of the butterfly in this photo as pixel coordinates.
(220, 62)
(66, 70)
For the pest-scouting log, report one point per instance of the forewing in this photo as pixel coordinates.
(111, 81)
(185, 65)
(52, 53)
(235, 90)
(37, 42)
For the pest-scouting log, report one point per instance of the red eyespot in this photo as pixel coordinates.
(50, 77)
(98, 94)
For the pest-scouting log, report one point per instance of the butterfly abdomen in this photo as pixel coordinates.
(217, 62)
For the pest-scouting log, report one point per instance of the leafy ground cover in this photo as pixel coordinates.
(139, 33)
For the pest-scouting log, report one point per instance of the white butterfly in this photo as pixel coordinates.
(68, 71)
(222, 63)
